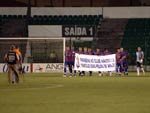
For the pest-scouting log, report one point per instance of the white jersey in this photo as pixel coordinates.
(139, 56)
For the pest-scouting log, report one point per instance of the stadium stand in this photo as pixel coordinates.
(73, 3)
(111, 31)
(65, 20)
(8, 21)
(12, 3)
(117, 32)
(7, 26)
(20, 30)
(56, 19)
(119, 3)
(137, 33)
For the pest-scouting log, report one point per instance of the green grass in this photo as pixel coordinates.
(51, 93)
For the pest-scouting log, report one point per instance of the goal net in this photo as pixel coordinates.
(41, 50)
(42, 53)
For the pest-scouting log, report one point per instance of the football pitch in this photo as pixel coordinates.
(51, 93)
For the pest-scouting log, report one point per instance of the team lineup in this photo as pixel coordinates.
(121, 61)
(13, 58)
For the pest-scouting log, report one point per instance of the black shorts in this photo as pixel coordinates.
(138, 64)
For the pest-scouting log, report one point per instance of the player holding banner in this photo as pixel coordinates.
(73, 59)
(85, 51)
(118, 62)
(99, 53)
(80, 51)
(106, 52)
(90, 53)
(139, 60)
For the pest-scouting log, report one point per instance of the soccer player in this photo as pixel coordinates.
(106, 52)
(90, 53)
(73, 59)
(18, 52)
(118, 62)
(98, 53)
(124, 67)
(80, 51)
(19, 64)
(12, 58)
(68, 57)
(139, 60)
(85, 51)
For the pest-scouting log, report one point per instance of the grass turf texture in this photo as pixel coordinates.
(51, 93)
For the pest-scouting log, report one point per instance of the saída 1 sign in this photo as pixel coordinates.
(78, 31)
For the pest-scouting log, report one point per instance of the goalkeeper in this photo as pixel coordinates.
(139, 61)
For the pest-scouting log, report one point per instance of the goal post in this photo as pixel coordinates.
(45, 54)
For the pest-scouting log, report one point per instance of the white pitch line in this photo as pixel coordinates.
(35, 88)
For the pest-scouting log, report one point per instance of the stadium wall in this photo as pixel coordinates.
(13, 10)
(26, 67)
(67, 11)
(45, 31)
(48, 67)
(36, 67)
(126, 12)
(107, 12)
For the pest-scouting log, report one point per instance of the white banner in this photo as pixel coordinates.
(95, 63)
(47, 67)
(4, 68)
